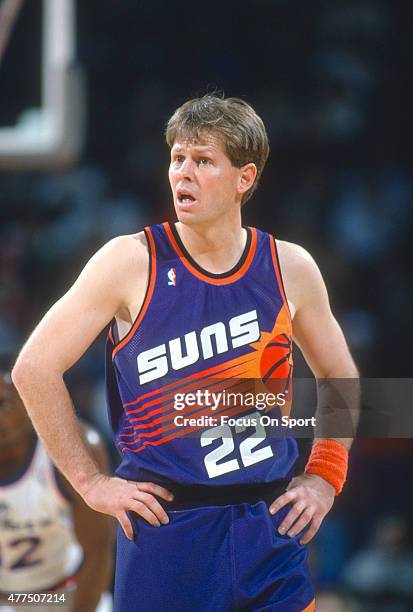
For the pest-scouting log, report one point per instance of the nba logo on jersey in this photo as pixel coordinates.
(172, 277)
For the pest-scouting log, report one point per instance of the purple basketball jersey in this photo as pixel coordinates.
(196, 328)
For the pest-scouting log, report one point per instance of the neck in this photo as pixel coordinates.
(217, 246)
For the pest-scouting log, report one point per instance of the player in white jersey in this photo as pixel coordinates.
(50, 541)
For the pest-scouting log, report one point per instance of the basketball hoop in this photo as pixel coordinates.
(50, 136)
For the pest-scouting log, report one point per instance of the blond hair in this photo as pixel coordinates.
(232, 120)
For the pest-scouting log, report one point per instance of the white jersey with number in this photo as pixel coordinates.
(38, 546)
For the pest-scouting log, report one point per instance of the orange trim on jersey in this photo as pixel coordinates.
(110, 335)
(187, 385)
(148, 295)
(149, 443)
(163, 399)
(163, 421)
(166, 397)
(208, 279)
(232, 364)
(175, 385)
(162, 409)
(310, 607)
(177, 432)
(278, 275)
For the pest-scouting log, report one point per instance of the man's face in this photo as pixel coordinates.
(204, 183)
(14, 421)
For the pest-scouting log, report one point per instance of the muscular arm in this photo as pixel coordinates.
(323, 345)
(321, 340)
(58, 342)
(112, 284)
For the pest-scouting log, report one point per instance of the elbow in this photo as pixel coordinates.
(25, 370)
(20, 373)
(31, 368)
(17, 374)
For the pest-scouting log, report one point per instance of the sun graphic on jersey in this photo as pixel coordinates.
(273, 363)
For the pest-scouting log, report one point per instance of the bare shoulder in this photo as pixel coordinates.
(119, 269)
(123, 250)
(294, 257)
(301, 274)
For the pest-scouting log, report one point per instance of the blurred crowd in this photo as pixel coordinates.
(330, 81)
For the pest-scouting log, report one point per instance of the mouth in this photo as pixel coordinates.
(185, 198)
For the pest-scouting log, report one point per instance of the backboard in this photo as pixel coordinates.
(42, 93)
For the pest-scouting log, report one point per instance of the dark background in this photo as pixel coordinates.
(332, 82)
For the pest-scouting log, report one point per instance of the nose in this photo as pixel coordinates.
(186, 169)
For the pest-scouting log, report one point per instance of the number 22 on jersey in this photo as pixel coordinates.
(249, 452)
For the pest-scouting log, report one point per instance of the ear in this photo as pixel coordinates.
(247, 176)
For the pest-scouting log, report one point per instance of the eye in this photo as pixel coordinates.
(179, 159)
(203, 161)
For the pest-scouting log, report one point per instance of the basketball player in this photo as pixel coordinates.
(50, 540)
(211, 520)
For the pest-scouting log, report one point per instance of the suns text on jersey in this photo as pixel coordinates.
(156, 362)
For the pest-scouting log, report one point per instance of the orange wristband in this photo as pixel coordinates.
(329, 459)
